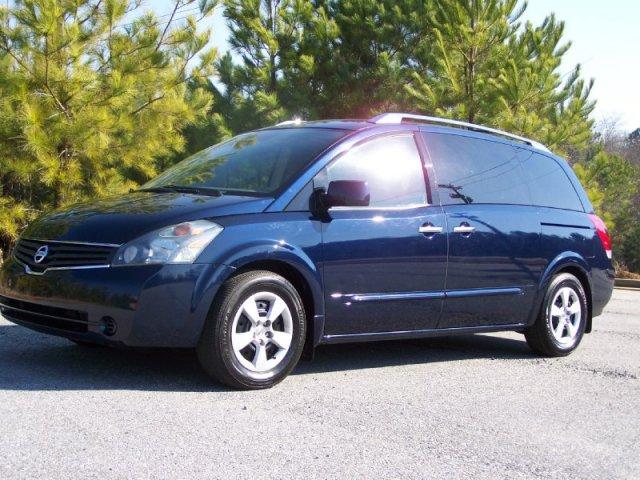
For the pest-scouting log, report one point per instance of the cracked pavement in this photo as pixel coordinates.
(461, 407)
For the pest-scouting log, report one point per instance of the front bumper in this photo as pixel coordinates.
(152, 305)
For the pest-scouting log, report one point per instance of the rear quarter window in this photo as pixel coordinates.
(549, 184)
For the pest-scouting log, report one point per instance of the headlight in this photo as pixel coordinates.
(180, 243)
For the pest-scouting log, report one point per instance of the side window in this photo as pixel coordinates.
(391, 166)
(471, 170)
(549, 184)
(300, 202)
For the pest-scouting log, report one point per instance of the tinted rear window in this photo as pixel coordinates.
(549, 184)
(472, 170)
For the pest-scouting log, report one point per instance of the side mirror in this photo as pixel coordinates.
(346, 193)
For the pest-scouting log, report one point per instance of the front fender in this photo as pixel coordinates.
(280, 251)
(293, 240)
(257, 252)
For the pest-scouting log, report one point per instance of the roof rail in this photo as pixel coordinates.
(396, 118)
(295, 121)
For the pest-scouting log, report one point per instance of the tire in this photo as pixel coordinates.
(562, 320)
(246, 348)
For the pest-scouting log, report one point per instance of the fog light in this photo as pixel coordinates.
(109, 326)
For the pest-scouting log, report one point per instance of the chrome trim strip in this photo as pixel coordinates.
(52, 269)
(89, 244)
(397, 118)
(484, 292)
(374, 297)
(380, 297)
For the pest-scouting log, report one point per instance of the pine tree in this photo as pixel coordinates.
(353, 55)
(535, 99)
(252, 92)
(488, 68)
(91, 93)
(312, 59)
(258, 34)
(470, 47)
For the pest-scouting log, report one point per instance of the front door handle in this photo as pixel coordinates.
(429, 229)
(464, 229)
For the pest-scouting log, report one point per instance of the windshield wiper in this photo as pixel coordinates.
(211, 192)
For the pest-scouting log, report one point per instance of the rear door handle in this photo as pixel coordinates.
(465, 229)
(429, 229)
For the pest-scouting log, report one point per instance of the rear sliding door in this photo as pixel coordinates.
(493, 231)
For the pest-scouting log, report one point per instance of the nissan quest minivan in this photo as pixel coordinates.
(310, 233)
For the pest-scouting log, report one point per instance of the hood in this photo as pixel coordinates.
(120, 219)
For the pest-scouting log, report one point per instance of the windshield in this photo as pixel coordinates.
(258, 163)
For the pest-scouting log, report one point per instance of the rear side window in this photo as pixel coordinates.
(392, 167)
(472, 170)
(549, 184)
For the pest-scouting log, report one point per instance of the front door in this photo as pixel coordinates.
(494, 232)
(384, 265)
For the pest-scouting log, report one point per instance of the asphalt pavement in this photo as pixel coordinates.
(473, 407)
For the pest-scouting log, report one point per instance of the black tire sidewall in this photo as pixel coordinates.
(287, 292)
(561, 281)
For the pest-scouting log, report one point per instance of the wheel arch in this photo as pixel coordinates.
(576, 265)
(298, 280)
(294, 265)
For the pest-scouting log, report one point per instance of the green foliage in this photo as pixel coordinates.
(88, 102)
(612, 184)
(465, 59)
(358, 66)
(488, 68)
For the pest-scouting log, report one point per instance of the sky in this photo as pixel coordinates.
(605, 38)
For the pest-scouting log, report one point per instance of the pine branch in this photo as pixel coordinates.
(166, 28)
(147, 104)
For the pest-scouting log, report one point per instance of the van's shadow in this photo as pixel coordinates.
(32, 361)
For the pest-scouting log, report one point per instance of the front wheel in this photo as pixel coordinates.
(562, 320)
(255, 332)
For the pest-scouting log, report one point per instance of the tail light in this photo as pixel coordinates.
(603, 233)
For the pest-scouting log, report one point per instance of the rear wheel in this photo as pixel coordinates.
(255, 332)
(562, 320)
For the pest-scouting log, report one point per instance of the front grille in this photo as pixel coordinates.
(62, 254)
(51, 317)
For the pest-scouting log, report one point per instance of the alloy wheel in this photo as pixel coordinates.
(262, 332)
(565, 315)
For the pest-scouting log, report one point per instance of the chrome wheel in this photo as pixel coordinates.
(565, 315)
(262, 332)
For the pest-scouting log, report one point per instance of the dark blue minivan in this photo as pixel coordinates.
(310, 233)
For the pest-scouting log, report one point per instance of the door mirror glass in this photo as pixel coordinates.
(346, 193)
